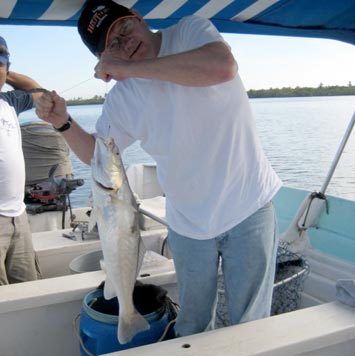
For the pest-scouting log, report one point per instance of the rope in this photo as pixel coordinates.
(77, 334)
(162, 337)
(173, 311)
(318, 195)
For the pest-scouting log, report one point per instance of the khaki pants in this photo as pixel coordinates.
(18, 261)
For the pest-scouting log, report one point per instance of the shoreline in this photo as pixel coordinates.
(286, 92)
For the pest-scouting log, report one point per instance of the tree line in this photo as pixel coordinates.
(321, 90)
(97, 99)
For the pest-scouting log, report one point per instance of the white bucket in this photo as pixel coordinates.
(88, 262)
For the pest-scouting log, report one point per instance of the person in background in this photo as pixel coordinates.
(179, 92)
(17, 258)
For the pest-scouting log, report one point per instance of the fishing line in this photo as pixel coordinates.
(76, 85)
(84, 81)
(43, 90)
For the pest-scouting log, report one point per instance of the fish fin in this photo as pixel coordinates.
(129, 326)
(109, 290)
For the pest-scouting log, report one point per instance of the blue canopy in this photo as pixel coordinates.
(333, 19)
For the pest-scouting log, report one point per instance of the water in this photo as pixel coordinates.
(300, 136)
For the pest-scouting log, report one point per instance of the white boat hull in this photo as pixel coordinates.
(37, 317)
(41, 323)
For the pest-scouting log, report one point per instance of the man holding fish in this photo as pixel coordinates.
(179, 92)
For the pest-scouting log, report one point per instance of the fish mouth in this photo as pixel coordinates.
(100, 185)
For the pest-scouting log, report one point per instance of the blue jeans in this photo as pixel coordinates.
(248, 258)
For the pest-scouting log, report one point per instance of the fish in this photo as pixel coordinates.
(115, 211)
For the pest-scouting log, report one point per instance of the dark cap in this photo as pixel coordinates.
(96, 20)
(4, 54)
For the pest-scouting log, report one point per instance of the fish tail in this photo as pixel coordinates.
(128, 327)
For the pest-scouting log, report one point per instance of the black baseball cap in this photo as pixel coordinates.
(96, 21)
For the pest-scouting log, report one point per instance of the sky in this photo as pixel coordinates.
(57, 59)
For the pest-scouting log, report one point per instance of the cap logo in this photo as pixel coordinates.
(100, 7)
(99, 14)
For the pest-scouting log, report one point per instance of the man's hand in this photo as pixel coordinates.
(51, 107)
(111, 67)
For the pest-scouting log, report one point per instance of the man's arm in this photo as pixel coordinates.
(52, 108)
(23, 82)
(210, 64)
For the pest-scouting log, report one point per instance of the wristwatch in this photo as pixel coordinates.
(64, 127)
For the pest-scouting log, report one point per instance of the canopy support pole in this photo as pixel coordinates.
(152, 216)
(338, 154)
(312, 206)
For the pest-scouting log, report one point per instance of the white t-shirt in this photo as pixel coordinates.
(210, 162)
(12, 165)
